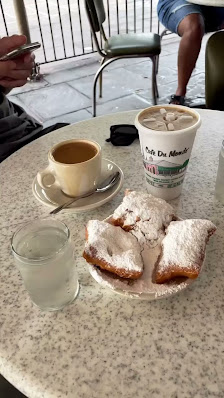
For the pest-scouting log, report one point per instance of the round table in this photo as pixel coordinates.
(105, 345)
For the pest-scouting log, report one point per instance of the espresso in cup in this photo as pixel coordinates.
(74, 152)
(74, 167)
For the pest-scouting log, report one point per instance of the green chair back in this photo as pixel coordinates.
(214, 72)
(96, 13)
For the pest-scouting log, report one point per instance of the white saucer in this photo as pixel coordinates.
(53, 197)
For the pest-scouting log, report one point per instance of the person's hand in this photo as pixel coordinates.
(14, 73)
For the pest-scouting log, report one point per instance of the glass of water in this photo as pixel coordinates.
(44, 255)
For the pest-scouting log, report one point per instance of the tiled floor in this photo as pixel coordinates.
(64, 94)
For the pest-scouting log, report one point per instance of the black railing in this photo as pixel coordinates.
(62, 26)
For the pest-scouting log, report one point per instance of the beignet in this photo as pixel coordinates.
(183, 249)
(144, 215)
(113, 250)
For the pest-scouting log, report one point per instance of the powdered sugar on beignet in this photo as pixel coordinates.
(113, 249)
(183, 249)
(144, 214)
(147, 234)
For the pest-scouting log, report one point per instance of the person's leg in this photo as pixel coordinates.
(187, 21)
(191, 30)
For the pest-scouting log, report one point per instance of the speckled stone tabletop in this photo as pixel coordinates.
(104, 345)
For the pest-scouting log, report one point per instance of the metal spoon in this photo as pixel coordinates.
(108, 183)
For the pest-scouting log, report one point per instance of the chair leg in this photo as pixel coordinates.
(154, 83)
(107, 62)
(157, 70)
(97, 75)
(157, 64)
(157, 67)
(101, 79)
(164, 33)
(156, 87)
(94, 93)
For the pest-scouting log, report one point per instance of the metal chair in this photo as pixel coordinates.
(130, 45)
(214, 67)
(164, 33)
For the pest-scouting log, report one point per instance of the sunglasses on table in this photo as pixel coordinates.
(122, 134)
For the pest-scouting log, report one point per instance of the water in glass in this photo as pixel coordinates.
(46, 262)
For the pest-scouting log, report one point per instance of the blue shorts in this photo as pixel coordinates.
(172, 12)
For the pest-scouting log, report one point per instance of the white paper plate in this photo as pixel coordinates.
(142, 288)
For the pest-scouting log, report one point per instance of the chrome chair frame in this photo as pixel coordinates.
(106, 60)
(164, 33)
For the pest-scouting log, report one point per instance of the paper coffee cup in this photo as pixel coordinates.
(166, 154)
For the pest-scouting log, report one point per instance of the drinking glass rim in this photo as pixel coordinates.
(40, 258)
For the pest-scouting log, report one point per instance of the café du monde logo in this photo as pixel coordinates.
(163, 167)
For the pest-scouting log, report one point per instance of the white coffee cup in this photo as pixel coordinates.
(74, 167)
(166, 153)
